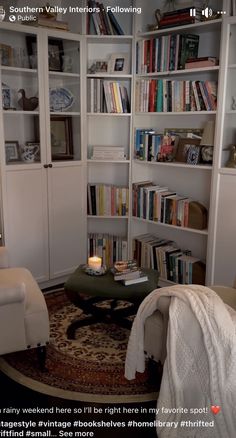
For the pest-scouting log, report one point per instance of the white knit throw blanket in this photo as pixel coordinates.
(200, 368)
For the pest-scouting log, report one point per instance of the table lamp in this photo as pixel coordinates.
(207, 142)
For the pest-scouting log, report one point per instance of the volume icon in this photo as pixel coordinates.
(207, 12)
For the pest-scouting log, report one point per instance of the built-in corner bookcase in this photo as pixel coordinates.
(62, 209)
(191, 181)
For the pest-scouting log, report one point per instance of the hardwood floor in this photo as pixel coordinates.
(15, 396)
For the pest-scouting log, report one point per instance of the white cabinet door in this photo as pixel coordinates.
(25, 219)
(225, 249)
(66, 218)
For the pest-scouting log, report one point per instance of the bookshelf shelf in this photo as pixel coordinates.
(205, 26)
(105, 39)
(90, 216)
(61, 74)
(185, 229)
(14, 112)
(18, 70)
(174, 164)
(227, 171)
(180, 113)
(109, 114)
(64, 113)
(108, 75)
(109, 161)
(179, 72)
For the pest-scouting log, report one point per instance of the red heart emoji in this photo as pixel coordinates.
(215, 409)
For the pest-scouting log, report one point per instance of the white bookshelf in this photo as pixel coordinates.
(213, 185)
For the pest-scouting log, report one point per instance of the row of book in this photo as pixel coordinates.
(152, 146)
(180, 17)
(107, 96)
(101, 20)
(162, 95)
(128, 272)
(166, 53)
(109, 247)
(173, 263)
(159, 204)
(107, 200)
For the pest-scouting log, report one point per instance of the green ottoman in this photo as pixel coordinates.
(86, 291)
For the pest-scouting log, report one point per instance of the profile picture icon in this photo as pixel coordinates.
(2, 13)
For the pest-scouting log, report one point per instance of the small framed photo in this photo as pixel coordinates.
(61, 138)
(118, 63)
(6, 54)
(12, 151)
(194, 155)
(183, 149)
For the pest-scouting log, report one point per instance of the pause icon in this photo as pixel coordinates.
(192, 12)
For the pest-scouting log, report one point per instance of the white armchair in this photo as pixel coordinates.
(24, 321)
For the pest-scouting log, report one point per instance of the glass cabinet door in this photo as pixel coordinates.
(20, 97)
(64, 98)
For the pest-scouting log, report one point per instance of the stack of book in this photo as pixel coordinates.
(107, 200)
(166, 53)
(109, 247)
(204, 61)
(180, 17)
(128, 272)
(101, 21)
(47, 22)
(162, 95)
(108, 153)
(172, 262)
(107, 97)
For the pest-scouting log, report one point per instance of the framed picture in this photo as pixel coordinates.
(118, 63)
(194, 154)
(183, 149)
(98, 67)
(61, 138)
(55, 53)
(12, 151)
(6, 54)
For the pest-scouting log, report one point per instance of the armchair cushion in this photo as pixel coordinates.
(4, 260)
(24, 317)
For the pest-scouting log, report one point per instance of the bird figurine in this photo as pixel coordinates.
(27, 103)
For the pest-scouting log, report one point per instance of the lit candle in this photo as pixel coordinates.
(95, 262)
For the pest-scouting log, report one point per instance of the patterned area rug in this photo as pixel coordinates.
(89, 368)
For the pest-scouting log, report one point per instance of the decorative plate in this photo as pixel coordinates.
(60, 99)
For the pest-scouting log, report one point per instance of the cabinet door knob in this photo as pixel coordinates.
(45, 166)
(50, 165)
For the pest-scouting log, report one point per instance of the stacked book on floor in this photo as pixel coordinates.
(172, 262)
(109, 247)
(128, 272)
(162, 95)
(107, 97)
